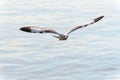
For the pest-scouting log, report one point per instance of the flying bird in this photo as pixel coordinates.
(60, 36)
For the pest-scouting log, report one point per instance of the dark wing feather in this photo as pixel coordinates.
(94, 21)
(34, 29)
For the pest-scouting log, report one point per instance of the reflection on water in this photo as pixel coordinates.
(91, 53)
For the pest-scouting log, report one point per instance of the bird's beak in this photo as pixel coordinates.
(55, 36)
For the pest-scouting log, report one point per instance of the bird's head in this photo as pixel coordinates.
(65, 35)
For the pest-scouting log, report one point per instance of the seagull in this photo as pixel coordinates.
(60, 36)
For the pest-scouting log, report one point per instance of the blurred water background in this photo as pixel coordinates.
(91, 53)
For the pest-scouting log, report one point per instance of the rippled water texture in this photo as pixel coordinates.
(91, 53)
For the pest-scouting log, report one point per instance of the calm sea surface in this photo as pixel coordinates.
(91, 53)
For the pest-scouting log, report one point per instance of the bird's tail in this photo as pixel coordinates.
(56, 36)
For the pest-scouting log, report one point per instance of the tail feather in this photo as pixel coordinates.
(56, 36)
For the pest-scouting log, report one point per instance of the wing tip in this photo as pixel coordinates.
(25, 29)
(98, 18)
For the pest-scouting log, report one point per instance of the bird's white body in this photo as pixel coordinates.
(34, 29)
(61, 37)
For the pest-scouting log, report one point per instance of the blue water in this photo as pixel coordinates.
(91, 53)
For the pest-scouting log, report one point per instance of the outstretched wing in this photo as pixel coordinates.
(94, 21)
(34, 29)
